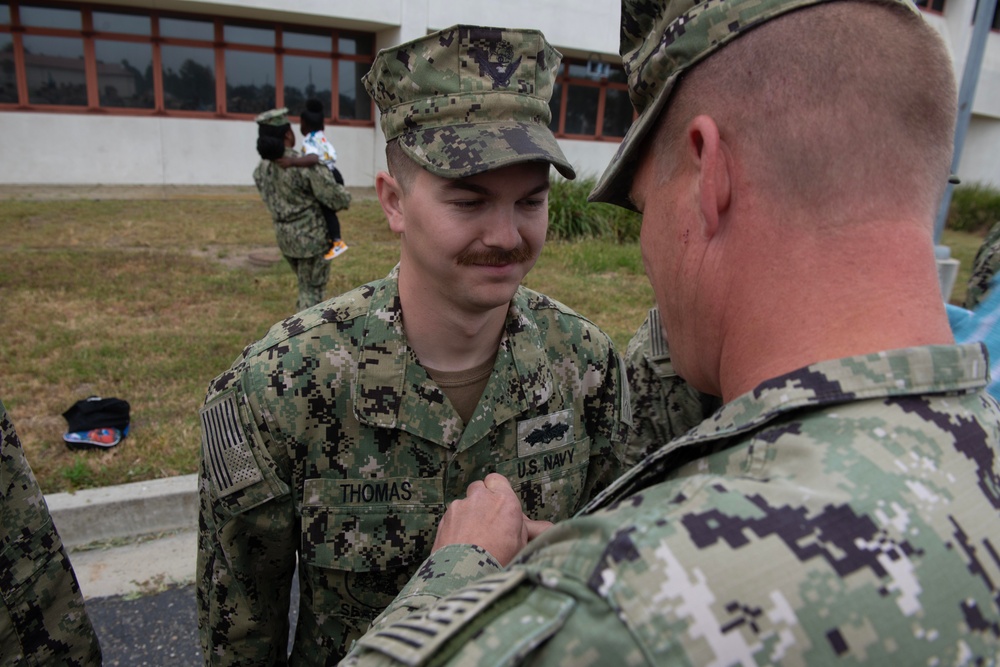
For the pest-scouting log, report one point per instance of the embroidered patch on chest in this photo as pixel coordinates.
(541, 434)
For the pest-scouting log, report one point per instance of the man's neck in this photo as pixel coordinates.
(882, 296)
(446, 339)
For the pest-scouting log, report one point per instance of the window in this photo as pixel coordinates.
(933, 6)
(123, 60)
(590, 100)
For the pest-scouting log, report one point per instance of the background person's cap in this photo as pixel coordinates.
(660, 40)
(468, 99)
(274, 117)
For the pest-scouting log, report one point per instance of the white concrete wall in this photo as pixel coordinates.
(152, 151)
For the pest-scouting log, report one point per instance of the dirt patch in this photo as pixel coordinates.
(248, 257)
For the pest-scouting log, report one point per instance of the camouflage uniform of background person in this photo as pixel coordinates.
(984, 267)
(842, 505)
(340, 437)
(663, 405)
(43, 620)
(295, 197)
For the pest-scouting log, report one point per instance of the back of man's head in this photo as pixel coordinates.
(847, 104)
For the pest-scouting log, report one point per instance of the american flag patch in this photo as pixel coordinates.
(227, 455)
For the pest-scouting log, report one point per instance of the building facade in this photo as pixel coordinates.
(164, 92)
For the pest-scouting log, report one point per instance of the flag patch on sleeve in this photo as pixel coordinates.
(230, 462)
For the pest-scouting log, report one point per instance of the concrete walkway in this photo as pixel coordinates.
(131, 539)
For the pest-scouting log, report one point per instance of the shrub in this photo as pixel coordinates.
(572, 217)
(974, 208)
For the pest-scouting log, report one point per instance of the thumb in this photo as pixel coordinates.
(536, 528)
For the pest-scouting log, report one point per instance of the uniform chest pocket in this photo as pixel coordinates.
(361, 541)
(550, 483)
(370, 524)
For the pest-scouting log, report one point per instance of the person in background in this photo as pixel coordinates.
(317, 149)
(43, 620)
(664, 406)
(294, 198)
(337, 441)
(841, 507)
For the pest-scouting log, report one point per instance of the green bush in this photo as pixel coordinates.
(572, 217)
(974, 208)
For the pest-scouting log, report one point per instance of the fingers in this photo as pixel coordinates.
(535, 528)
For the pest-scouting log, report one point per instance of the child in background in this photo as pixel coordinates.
(318, 149)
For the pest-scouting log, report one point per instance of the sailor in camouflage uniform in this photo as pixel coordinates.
(339, 438)
(984, 268)
(293, 197)
(664, 406)
(841, 507)
(43, 620)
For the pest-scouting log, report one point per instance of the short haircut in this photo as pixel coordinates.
(401, 166)
(848, 107)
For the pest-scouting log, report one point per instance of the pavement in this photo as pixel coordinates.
(131, 539)
(134, 548)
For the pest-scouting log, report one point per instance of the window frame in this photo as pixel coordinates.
(603, 83)
(219, 47)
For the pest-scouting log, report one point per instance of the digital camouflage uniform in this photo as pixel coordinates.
(663, 405)
(984, 267)
(293, 198)
(42, 616)
(845, 513)
(327, 439)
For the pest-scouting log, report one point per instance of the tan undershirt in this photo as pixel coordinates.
(463, 388)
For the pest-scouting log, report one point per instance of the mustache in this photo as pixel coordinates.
(518, 255)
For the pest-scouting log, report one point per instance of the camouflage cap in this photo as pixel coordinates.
(468, 99)
(660, 40)
(274, 117)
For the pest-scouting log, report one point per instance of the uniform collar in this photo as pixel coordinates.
(392, 389)
(907, 371)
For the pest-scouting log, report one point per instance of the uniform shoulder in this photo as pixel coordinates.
(546, 310)
(327, 320)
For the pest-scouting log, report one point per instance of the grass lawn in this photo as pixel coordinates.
(148, 299)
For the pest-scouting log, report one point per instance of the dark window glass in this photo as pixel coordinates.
(238, 34)
(617, 113)
(8, 77)
(129, 24)
(124, 74)
(305, 78)
(996, 18)
(581, 110)
(617, 75)
(187, 29)
(355, 44)
(188, 78)
(354, 101)
(50, 17)
(933, 5)
(302, 40)
(578, 70)
(249, 82)
(55, 72)
(4, 13)
(555, 104)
